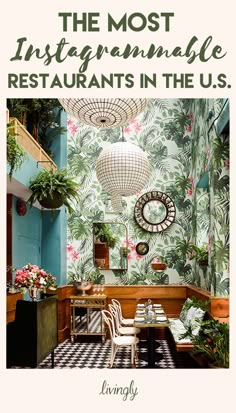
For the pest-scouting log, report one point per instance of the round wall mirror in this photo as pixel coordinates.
(142, 248)
(154, 211)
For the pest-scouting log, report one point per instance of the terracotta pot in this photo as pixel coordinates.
(159, 266)
(52, 203)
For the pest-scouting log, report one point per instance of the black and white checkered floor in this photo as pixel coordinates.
(94, 354)
(97, 355)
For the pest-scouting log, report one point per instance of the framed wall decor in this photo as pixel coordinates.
(142, 248)
(110, 240)
(154, 211)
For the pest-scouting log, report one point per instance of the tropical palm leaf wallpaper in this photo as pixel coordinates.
(181, 146)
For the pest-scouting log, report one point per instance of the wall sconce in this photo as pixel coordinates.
(21, 207)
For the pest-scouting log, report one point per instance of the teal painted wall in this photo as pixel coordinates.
(26, 237)
(54, 227)
(53, 243)
(59, 146)
(28, 169)
(37, 237)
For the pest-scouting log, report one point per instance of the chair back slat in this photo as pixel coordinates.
(115, 312)
(109, 320)
(117, 304)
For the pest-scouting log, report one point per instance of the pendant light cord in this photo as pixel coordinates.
(122, 135)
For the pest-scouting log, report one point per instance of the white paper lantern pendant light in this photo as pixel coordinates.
(104, 113)
(122, 169)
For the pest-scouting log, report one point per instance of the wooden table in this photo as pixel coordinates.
(150, 325)
(90, 303)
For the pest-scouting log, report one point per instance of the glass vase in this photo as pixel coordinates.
(33, 293)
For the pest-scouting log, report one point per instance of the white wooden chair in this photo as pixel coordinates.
(117, 340)
(123, 321)
(123, 330)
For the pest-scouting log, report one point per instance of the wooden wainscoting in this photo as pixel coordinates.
(220, 308)
(11, 305)
(171, 297)
(63, 296)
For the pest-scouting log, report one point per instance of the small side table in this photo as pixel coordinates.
(90, 302)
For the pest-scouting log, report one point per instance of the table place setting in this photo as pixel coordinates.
(158, 318)
(140, 305)
(140, 311)
(157, 305)
(159, 311)
(139, 319)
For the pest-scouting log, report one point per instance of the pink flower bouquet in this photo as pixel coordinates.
(33, 276)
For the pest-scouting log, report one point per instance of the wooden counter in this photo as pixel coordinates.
(11, 305)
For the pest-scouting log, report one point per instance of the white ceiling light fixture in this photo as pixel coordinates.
(122, 169)
(104, 113)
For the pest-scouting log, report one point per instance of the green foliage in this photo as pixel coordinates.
(176, 128)
(221, 152)
(221, 255)
(17, 107)
(105, 234)
(182, 247)
(197, 303)
(220, 285)
(125, 252)
(41, 119)
(176, 258)
(213, 343)
(47, 183)
(183, 183)
(80, 229)
(174, 136)
(15, 153)
(179, 198)
(198, 253)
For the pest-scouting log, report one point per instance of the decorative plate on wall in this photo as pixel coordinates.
(142, 248)
(154, 211)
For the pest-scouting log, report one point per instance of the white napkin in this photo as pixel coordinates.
(159, 311)
(139, 319)
(157, 305)
(161, 318)
(140, 305)
(140, 311)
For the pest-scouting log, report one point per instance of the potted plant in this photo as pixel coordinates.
(52, 189)
(15, 153)
(40, 118)
(104, 233)
(125, 252)
(212, 343)
(200, 254)
(158, 265)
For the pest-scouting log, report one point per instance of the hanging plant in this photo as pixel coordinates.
(15, 153)
(53, 189)
(200, 254)
(158, 265)
(104, 233)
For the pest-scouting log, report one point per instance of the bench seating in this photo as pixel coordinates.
(191, 316)
(177, 328)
